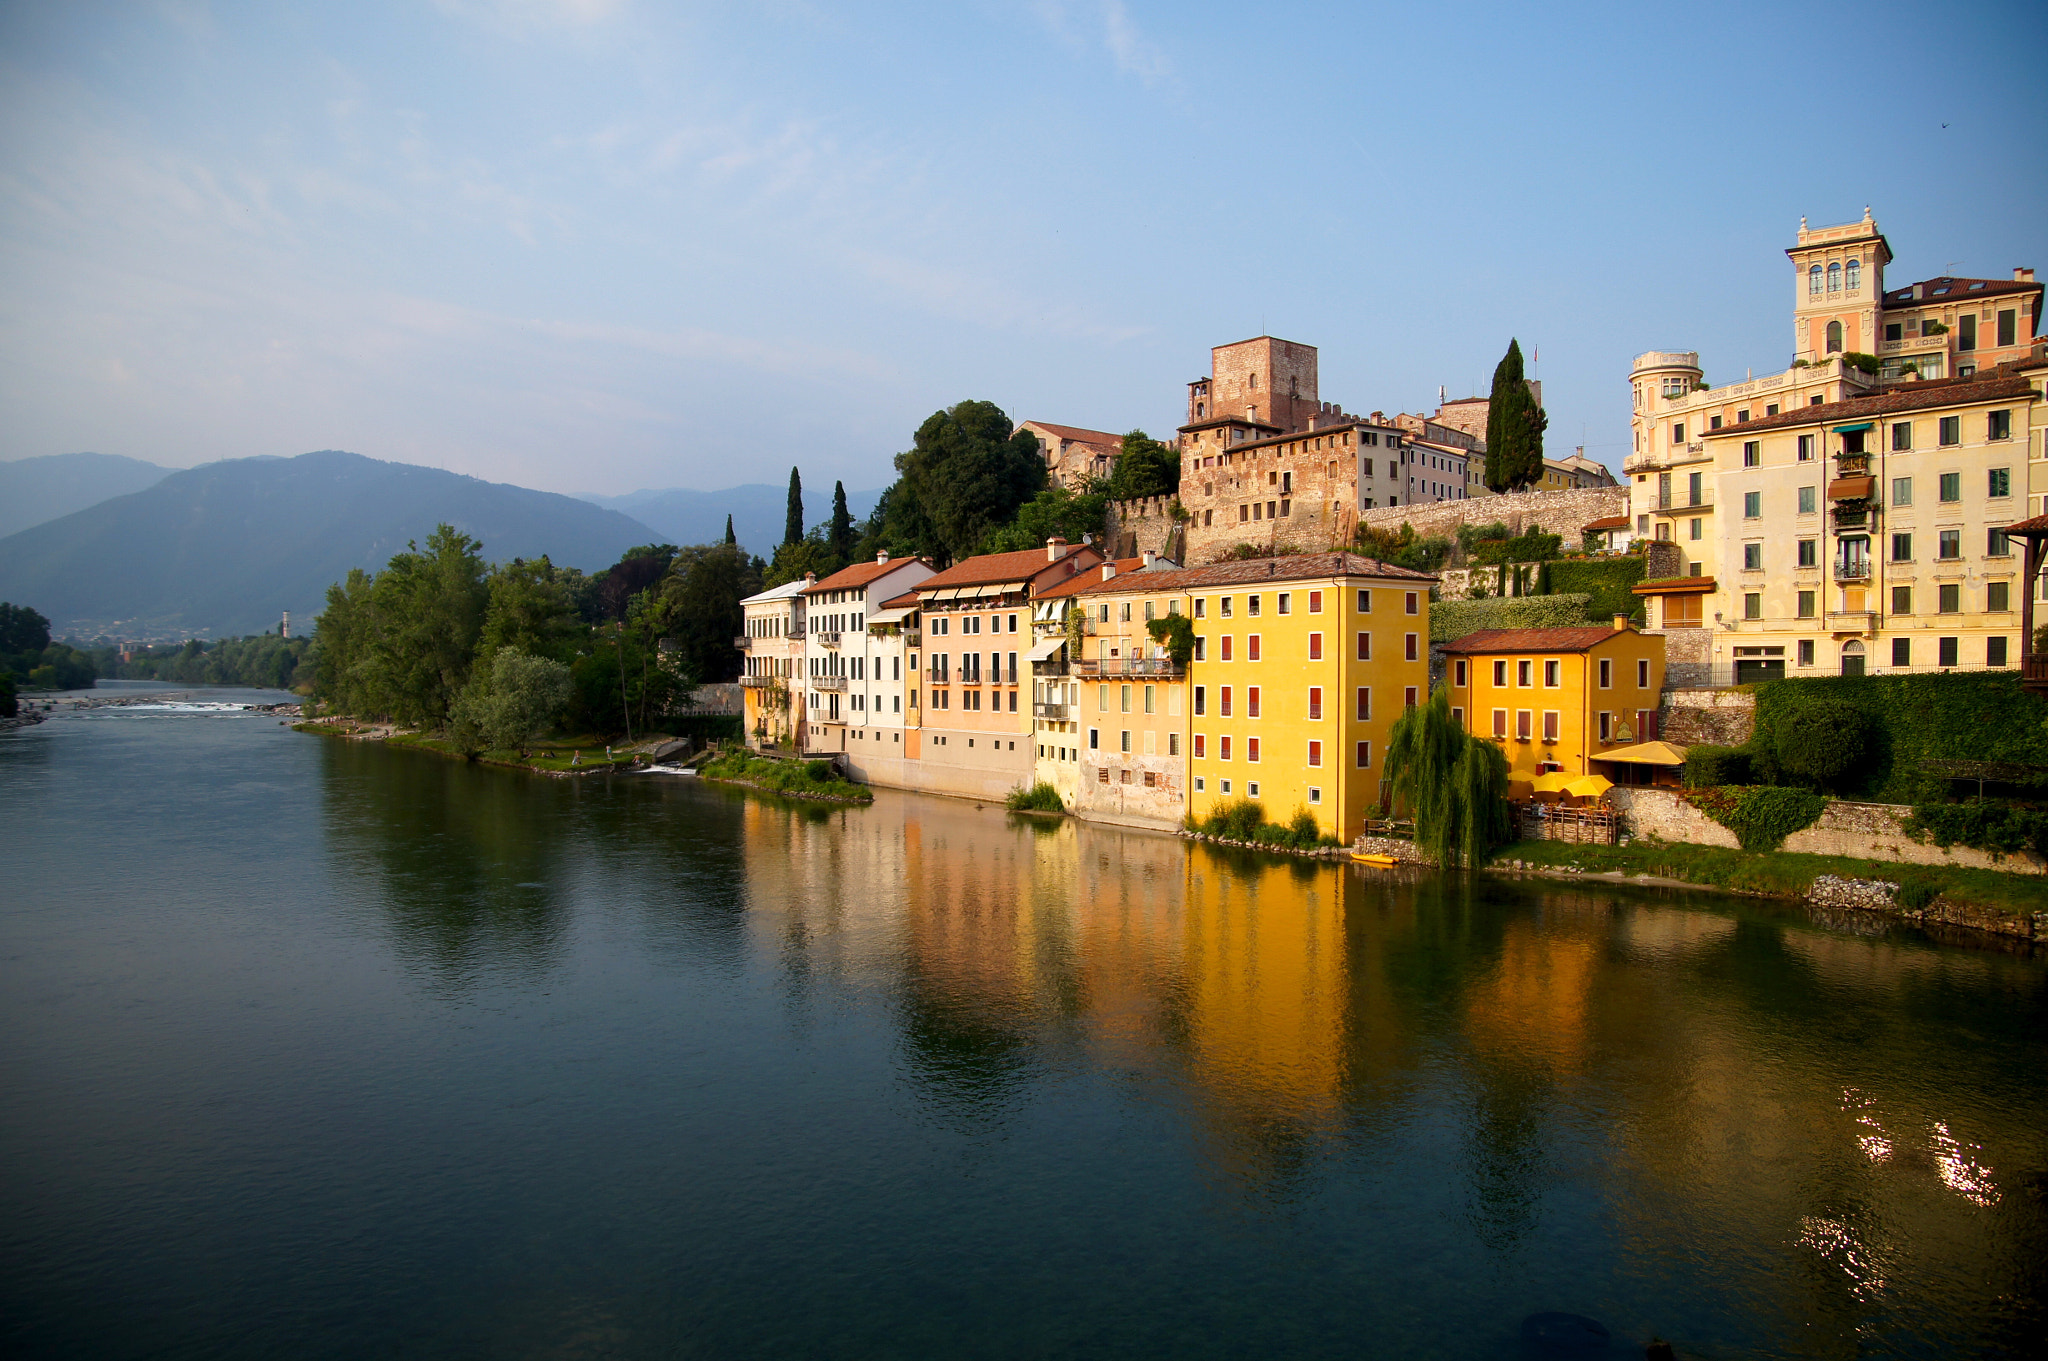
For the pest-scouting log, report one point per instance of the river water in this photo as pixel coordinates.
(314, 1048)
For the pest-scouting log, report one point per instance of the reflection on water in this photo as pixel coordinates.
(733, 1075)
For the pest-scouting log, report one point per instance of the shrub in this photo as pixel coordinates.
(1176, 633)
(1709, 767)
(1761, 816)
(820, 770)
(1827, 742)
(1303, 829)
(1607, 583)
(1039, 798)
(1997, 825)
(1239, 821)
(1450, 620)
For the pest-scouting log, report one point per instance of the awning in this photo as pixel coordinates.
(941, 596)
(1852, 429)
(1041, 651)
(1852, 488)
(1643, 754)
(890, 616)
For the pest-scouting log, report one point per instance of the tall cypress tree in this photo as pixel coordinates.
(793, 512)
(1514, 427)
(840, 538)
(730, 537)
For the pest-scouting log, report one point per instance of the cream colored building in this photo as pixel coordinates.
(1842, 515)
(773, 663)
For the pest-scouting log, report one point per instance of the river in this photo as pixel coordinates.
(315, 1048)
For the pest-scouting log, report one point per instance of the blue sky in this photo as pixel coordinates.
(598, 245)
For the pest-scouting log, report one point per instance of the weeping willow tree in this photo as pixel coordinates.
(1455, 784)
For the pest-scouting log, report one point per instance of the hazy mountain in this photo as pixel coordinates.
(685, 516)
(33, 490)
(222, 549)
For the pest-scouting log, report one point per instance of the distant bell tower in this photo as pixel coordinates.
(1837, 289)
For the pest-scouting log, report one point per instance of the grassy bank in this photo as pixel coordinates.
(798, 779)
(572, 755)
(1781, 874)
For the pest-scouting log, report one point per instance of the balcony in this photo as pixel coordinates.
(1853, 571)
(1679, 502)
(759, 682)
(913, 637)
(1853, 519)
(1852, 621)
(826, 639)
(828, 682)
(1059, 713)
(743, 643)
(937, 677)
(1129, 666)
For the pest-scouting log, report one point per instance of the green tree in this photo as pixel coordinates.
(700, 609)
(9, 705)
(532, 606)
(22, 630)
(1144, 467)
(1829, 740)
(792, 560)
(1055, 512)
(1514, 427)
(730, 537)
(509, 700)
(793, 510)
(640, 568)
(839, 538)
(415, 635)
(1456, 785)
(967, 473)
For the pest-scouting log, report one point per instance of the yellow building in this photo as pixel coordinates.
(1133, 714)
(1554, 697)
(1301, 666)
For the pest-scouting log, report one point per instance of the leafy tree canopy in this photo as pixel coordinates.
(1514, 427)
(1145, 467)
(967, 473)
(1055, 512)
(22, 629)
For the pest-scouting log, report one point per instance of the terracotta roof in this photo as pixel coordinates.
(1533, 640)
(860, 574)
(1078, 582)
(1257, 571)
(1958, 290)
(2037, 525)
(1920, 396)
(1610, 522)
(906, 601)
(1075, 432)
(1674, 586)
(991, 568)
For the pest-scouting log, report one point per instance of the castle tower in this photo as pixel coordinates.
(1837, 289)
(1258, 382)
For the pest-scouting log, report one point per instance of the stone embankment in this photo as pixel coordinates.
(1846, 827)
(1563, 513)
(20, 720)
(1886, 898)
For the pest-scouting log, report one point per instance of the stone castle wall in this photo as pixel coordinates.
(1131, 527)
(1303, 502)
(1563, 513)
(1725, 718)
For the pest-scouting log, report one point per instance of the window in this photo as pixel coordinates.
(1902, 548)
(2000, 482)
(1202, 608)
(1365, 647)
(1998, 597)
(1552, 673)
(1124, 740)
(1806, 652)
(1315, 753)
(1752, 453)
(1752, 505)
(1945, 650)
(1806, 448)
(1966, 331)
(1902, 600)
(1950, 599)
(1315, 701)
(1223, 701)
(1752, 557)
(1315, 647)
(1807, 500)
(1678, 432)
(1809, 552)
(1606, 727)
(1606, 673)
(1223, 606)
(1834, 337)
(1150, 691)
(1500, 673)
(1994, 652)
(1223, 751)
(1753, 605)
(1902, 652)
(1251, 647)
(1902, 435)
(1835, 277)
(1364, 755)
(1408, 639)
(1365, 602)
(1315, 602)
(1251, 701)
(1951, 487)
(1123, 699)
(1500, 723)
(1251, 748)
(1998, 425)
(1408, 697)
(1094, 739)
(1950, 431)
(1550, 725)
(1459, 671)
(1806, 604)
(1364, 704)
(1225, 640)
(1813, 282)
(1697, 529)
(1251, 606)
(1523, 724)
(1201, 700)
(1902, 491)
(1201, 748)
(1414, 605)
(2008, 322)
(1525, 674)
(1642, 674)
(1951, 544)
(1284, 603)
(1852, 275)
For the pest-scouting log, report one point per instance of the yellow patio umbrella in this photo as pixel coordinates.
(1589, 786)
(1552, 782)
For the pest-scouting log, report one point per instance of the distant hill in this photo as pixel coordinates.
(33, 490)
(223, 549)
(685, 516)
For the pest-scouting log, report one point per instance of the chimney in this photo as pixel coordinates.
(1108, 570)
(810, 579)
(1621, 623)
(1150, 557)
(1055, 548)
(881, 557)
(2023, 275)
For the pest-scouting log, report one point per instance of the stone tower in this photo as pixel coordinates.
(1260, 382)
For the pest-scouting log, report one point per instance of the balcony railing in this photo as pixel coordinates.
(828, 682)
(1860, 518)
(1129, 666)
(743, 643)
(1852, 571)
(1684, 500)
(758, 682)
(826, 639)
(1057, 712)
(913, 637)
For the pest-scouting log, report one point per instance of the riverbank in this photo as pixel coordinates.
(564, 759)
(1983, 900)
(815, 779)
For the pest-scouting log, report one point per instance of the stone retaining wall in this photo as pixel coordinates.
(1863, 831)
(1564, 513)
(1724, 717)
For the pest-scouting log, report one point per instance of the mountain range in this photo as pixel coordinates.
(756, 508)
(223, 549)
(33, 490)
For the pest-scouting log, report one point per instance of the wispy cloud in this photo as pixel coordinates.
(1106, 26)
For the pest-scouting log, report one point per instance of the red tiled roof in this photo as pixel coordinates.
(2037, 525)
(1610, 522)
(1673, 586)
(1075, 432)
(1532, 640)
(1256, 571)
(906, 601)
(1080, 581)
(1920, 396)
(991, 568)
(858, 575)
(1959, 290)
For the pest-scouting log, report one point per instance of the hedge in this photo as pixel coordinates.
(1607, 582)
(1450, 620)
(1969, 716)
(1708, 766)
(1761, 816)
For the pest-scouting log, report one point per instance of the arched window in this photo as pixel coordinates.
(1834, 337)
(1813, 282)
(1834, 278)
(1854, 270)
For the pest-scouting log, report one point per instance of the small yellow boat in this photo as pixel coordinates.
(1384, 862)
